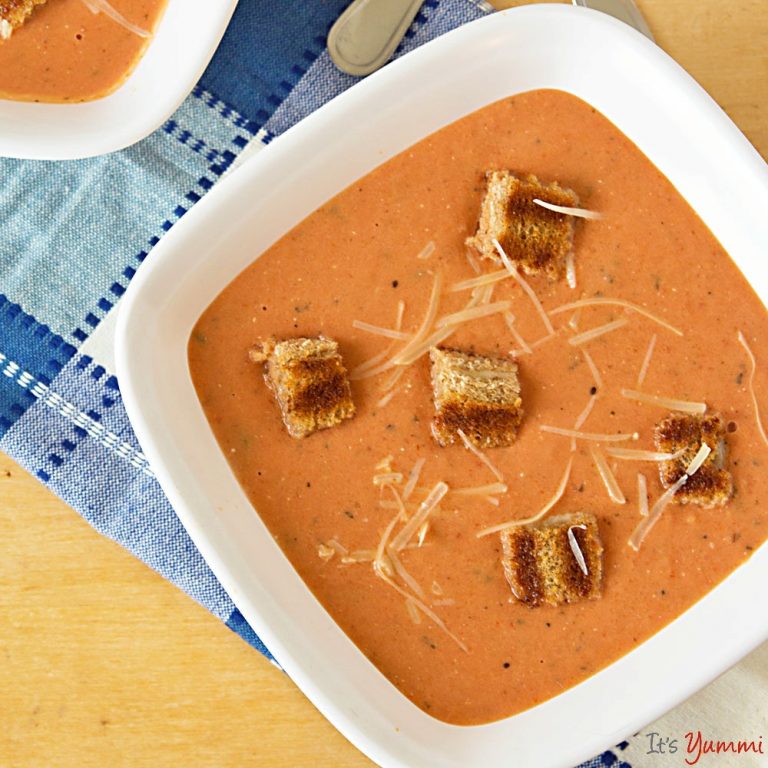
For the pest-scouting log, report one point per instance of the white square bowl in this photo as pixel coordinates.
(187, 35)
(677, 126)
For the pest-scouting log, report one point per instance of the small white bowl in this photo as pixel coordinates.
(673, 121)
(184, 42)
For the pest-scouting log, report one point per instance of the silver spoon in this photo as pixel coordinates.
(366, 35)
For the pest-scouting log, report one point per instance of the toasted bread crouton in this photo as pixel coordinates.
(479, 395)
(310, 383)
(542, 561)
(711, 485)
(536, 239)
(13, 13)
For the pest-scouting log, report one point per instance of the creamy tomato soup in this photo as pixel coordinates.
(65, 53)
(364, 251)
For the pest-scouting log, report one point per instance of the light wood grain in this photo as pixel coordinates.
(103, 663)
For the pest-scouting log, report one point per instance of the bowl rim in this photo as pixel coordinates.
(187, 35)
(157, 315)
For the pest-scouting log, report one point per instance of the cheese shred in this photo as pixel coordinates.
(642, 495)
(594, 436)
(475, 313)
(478, 282)
(556, 496)
(509, 319)
(644, 526)
(593, 369)
(646, 361)
(480, 455)
(601, 302)
(594, 333)
(576, 549)
(753, 363)
(425, 509)
(629, 454)
(609, 479)
(579, 213)
(524, 285)
(672, 403)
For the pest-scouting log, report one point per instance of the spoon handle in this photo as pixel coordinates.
(366, 35)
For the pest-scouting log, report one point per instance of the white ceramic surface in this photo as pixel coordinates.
(679, 128)
(185, 40)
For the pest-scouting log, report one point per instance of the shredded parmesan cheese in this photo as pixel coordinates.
(102, 6)
(594, 333)
(403, 574)
(583, 416)
(580, 213)
(672, 403)
(387, 478)
(558, 494)
(422, 607)
(425, 509)
(465, 315)
(6, 30)
(478, 282)
(576, 549)
(426, 323)
(426, 251)
(615, 303)
(608, 478)
(492, 500)
(753, 363)
(422, 534)
(646, 361)
(509, 319)
(642, 495)
(340, 549)
(645, 525)
(413, 478)
(393, 379)
(472, 261)
(431, 341)
(436, 589)
(413, 611)
(524, 285)
(363, 370)
(480, 455)
(359, 556)
(570, 270)
(592, 367)
(377, 330)
(595, 436)
(381, 549)
(630, 454)
(324, 552)
(698, 459)
(385, 465)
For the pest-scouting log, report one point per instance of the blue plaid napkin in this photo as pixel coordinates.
(74, 234)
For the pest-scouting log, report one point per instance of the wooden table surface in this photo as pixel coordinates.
(103, 663)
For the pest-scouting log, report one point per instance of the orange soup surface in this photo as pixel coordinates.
(65, 53)
(360, 254)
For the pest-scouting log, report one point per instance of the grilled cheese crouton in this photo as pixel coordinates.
(310, 383)
(479, 395)
(536, 239)
(711, 485)
(13, 13)
(556, 561)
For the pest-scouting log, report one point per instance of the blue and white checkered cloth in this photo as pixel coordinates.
(74, 234)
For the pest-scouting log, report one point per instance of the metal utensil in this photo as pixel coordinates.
(366, 35)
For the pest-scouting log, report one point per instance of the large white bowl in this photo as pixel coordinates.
(185, 40)
(679, 128)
